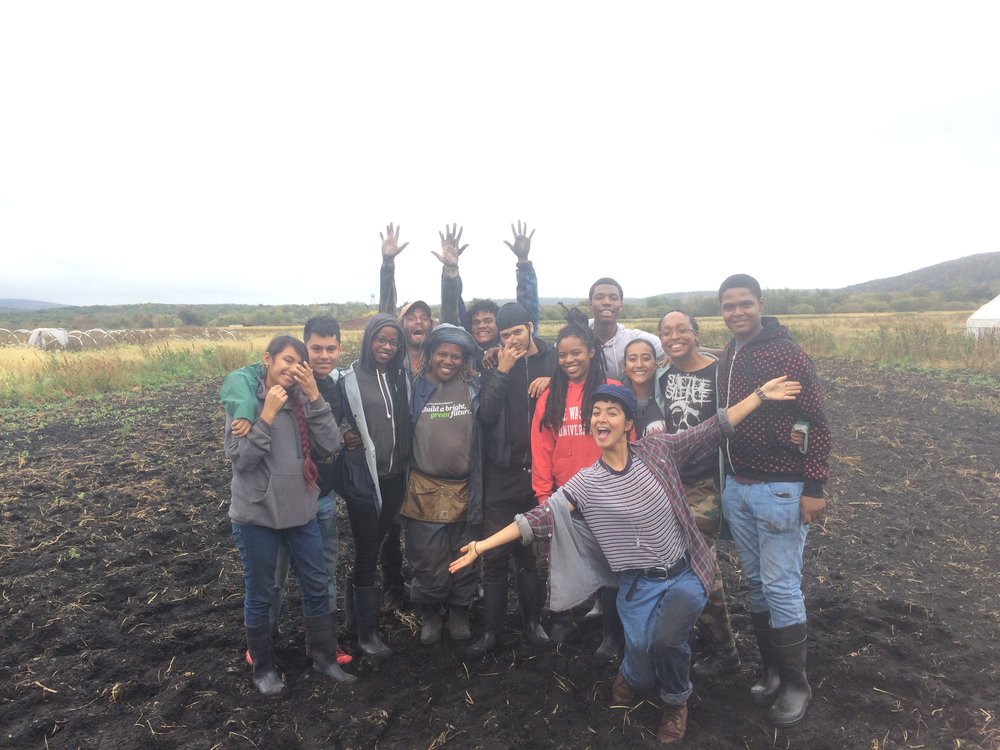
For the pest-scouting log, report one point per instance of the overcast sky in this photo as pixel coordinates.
(193, 152)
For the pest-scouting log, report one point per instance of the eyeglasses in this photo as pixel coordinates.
(668, 332)
(383, 341)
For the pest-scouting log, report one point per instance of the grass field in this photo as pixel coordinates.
(33, 377)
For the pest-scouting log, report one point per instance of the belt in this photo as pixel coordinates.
(665, 573)
(660, 572)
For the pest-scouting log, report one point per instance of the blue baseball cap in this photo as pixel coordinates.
(618, 393)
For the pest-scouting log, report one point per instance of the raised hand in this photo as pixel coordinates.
(390, 243)
(522, 241)
(450, 249)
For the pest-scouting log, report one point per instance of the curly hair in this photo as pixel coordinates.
(555, 405)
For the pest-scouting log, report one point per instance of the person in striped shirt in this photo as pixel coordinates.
(637, 534)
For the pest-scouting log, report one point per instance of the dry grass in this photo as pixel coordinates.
(30, 376)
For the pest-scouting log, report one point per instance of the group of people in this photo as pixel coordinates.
(593, 464)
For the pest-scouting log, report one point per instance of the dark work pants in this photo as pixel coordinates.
(506, 492)
(370, 527)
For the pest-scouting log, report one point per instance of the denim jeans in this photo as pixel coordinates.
(326, 517)
(769, 536)
(258, 546)
(658, 622)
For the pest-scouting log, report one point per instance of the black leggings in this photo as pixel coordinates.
(370, 527)
(506, 493)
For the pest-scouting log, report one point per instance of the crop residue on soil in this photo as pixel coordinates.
(121, 600)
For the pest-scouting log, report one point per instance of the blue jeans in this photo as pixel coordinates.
(658, 622)
(258, 546)
(769, 536)
(326, 517)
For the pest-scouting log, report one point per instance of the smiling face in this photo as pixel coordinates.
(324, 354)
(640, 362)
(608, 424)
(446, 362)
(281, 368)
(416, 325)
(574, 358)
(385, 342)
(606, 303)
(677, 336)
(741, 312)
(484, 327)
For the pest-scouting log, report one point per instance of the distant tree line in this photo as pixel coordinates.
(960, 295)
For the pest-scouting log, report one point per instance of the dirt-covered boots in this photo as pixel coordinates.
(531, 598)
(366, 613)
(321, 641)
(673, 724)
(265, 675)
(458, 622)
(793, 697)
(721, 659)
(765, 689)
(431, 623)
(613, 643)
(494, 609)
(561, 626)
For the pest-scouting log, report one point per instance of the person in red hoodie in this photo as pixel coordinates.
(560, 446)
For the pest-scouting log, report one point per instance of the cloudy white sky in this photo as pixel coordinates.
(251, 152)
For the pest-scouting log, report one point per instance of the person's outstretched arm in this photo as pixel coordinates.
(452, 305)
(527, 282)
(387, 276)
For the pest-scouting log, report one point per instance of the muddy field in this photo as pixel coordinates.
(121, 600)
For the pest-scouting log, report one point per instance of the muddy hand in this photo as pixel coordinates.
(390, 243)
(522, 242)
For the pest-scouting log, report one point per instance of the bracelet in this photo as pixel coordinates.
(474, 549)
(760, 393)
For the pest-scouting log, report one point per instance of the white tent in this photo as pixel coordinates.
(46, 337)
(986, 320)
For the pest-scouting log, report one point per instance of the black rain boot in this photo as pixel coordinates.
(431, 623)
(494, 609)
(531, 597)
(265, 676)
(613, 644)
(458, 622)
(765, 689)
(350, 621)
(793, 697)
(321, 642)
(561, 626)
(722, 660)
(366, 612)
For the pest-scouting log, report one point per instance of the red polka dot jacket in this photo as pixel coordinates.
(762, 448)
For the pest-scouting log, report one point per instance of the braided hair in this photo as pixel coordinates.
(555, 405)
(297, 400)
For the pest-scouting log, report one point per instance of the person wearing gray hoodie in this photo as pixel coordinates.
(274, 493)
(374, 395)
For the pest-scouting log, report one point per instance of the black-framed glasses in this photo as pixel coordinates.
(383, 341)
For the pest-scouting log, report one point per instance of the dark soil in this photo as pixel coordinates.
(121, 600)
